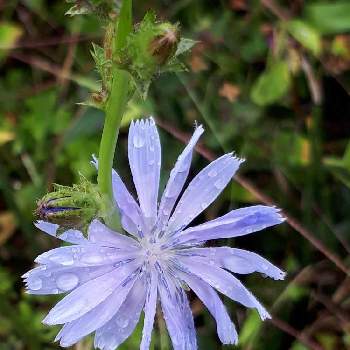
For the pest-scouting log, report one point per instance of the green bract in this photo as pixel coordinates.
(70, 207)
(152, 48)
(102, 8)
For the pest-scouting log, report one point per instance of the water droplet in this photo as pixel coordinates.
(122, 322)
(204, 205)
(65, 259)
(92, 258)
(35, 283)
(166, 212)
(151, 162)
(212, 173)
(138, 141)
(67, 281)
(219, 184)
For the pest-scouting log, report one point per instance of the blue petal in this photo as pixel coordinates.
(120, 327)
(73, 331)
(177, 179)
(224, 282)
(57, 279)
(85, 255)
(203, 190)
(225, 328)
(70, 236)
(129, 210)
(88, 296)
(150, 310)
(238, 261)
(100, 233)
(178, 316)
(236, 223)
(145, 159)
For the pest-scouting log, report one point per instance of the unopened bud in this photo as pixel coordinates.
(164, 45)
(69, 207)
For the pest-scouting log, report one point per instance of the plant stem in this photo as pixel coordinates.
(115, 108)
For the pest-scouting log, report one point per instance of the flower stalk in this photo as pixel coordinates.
(114, 110)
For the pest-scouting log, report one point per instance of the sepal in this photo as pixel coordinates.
(70, 207)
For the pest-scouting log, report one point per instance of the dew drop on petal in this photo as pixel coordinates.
(63, 259)
(212, 173)
(67, 281)
(138, 141)
(219, 184)
(91, 258)
(35, 283)
(122, 322)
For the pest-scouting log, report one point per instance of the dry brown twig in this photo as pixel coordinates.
(285, 327)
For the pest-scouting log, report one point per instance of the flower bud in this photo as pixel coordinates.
(69, 207)
(164, 45)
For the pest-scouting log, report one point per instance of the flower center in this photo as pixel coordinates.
(153, 251)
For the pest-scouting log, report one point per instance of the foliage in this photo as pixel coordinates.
(251, 81)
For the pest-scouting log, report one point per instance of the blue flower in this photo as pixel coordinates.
(111, 277)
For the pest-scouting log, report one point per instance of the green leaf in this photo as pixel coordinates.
(78, 10)
(298, 346)
(250, 329)
(340, 167)
(185, 45)
(272, 84)
(307, 36)
(9, 34)
(337, 167)
(103, 65)
(329, 18)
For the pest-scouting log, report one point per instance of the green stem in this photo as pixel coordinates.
(115, 108)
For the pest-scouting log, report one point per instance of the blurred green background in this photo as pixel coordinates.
(268, 79)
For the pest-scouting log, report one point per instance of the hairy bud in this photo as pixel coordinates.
(164, 45)
(69, 207)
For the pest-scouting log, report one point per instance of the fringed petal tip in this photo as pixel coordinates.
(198, 127)
(276, 213)
(25, 276)
(48, 321)
(263, 313)
(143, 122)
(280, 276)
(236, 158)
(232, 339)
(46, 227)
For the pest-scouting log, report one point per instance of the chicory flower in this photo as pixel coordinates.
(112, 277)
